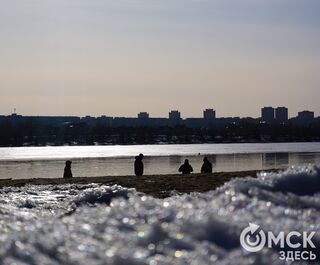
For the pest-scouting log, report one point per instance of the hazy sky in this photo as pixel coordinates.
(120, 57)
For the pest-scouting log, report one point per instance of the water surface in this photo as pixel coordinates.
(40, 162)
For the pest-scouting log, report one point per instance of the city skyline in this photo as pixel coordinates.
(82, 57)
(267, 114)
(165, 113)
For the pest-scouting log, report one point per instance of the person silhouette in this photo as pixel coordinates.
(186, 168)
(67, 170)
(138, 165)
(206, 166)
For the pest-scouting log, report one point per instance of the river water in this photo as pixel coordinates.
(48, 162)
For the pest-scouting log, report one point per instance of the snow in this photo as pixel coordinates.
(94, 224)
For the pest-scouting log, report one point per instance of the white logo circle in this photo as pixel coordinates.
(259, 239)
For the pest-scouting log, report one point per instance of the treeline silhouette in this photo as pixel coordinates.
(29, 134)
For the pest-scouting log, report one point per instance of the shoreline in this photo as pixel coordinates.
(158, 186)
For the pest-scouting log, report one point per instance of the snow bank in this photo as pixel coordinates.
(92, 224)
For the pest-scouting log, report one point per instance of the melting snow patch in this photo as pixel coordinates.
(96, 224)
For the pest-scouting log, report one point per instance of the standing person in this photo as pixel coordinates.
(207, 166)
(138, 165)
(67, 170)
(186, 168)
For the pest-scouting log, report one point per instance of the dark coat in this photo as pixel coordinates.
(186, 169)
(138, 166)
(206, 167)
(67, 172)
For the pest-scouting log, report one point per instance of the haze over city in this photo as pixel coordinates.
(118, 58)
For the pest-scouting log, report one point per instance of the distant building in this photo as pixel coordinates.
(104, 121)
(226, 121)
(174, 117)
(51, 120)
(124, 122)
(305, 116)
(267, 114)
(209, 114)
(143, 115)
(194, 122)
(143, 119)
(158, 122)
(89, 120)
(281, 114)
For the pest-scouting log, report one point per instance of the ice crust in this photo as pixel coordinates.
(94, 224)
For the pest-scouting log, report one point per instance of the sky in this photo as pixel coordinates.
(117, 58)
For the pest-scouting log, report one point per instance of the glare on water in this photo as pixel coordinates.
(37, 162)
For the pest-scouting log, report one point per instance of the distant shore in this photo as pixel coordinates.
(159, 186)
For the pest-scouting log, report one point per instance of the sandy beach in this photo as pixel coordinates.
(159, 186)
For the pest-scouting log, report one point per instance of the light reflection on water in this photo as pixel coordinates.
(63, 152)
(90, 167)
